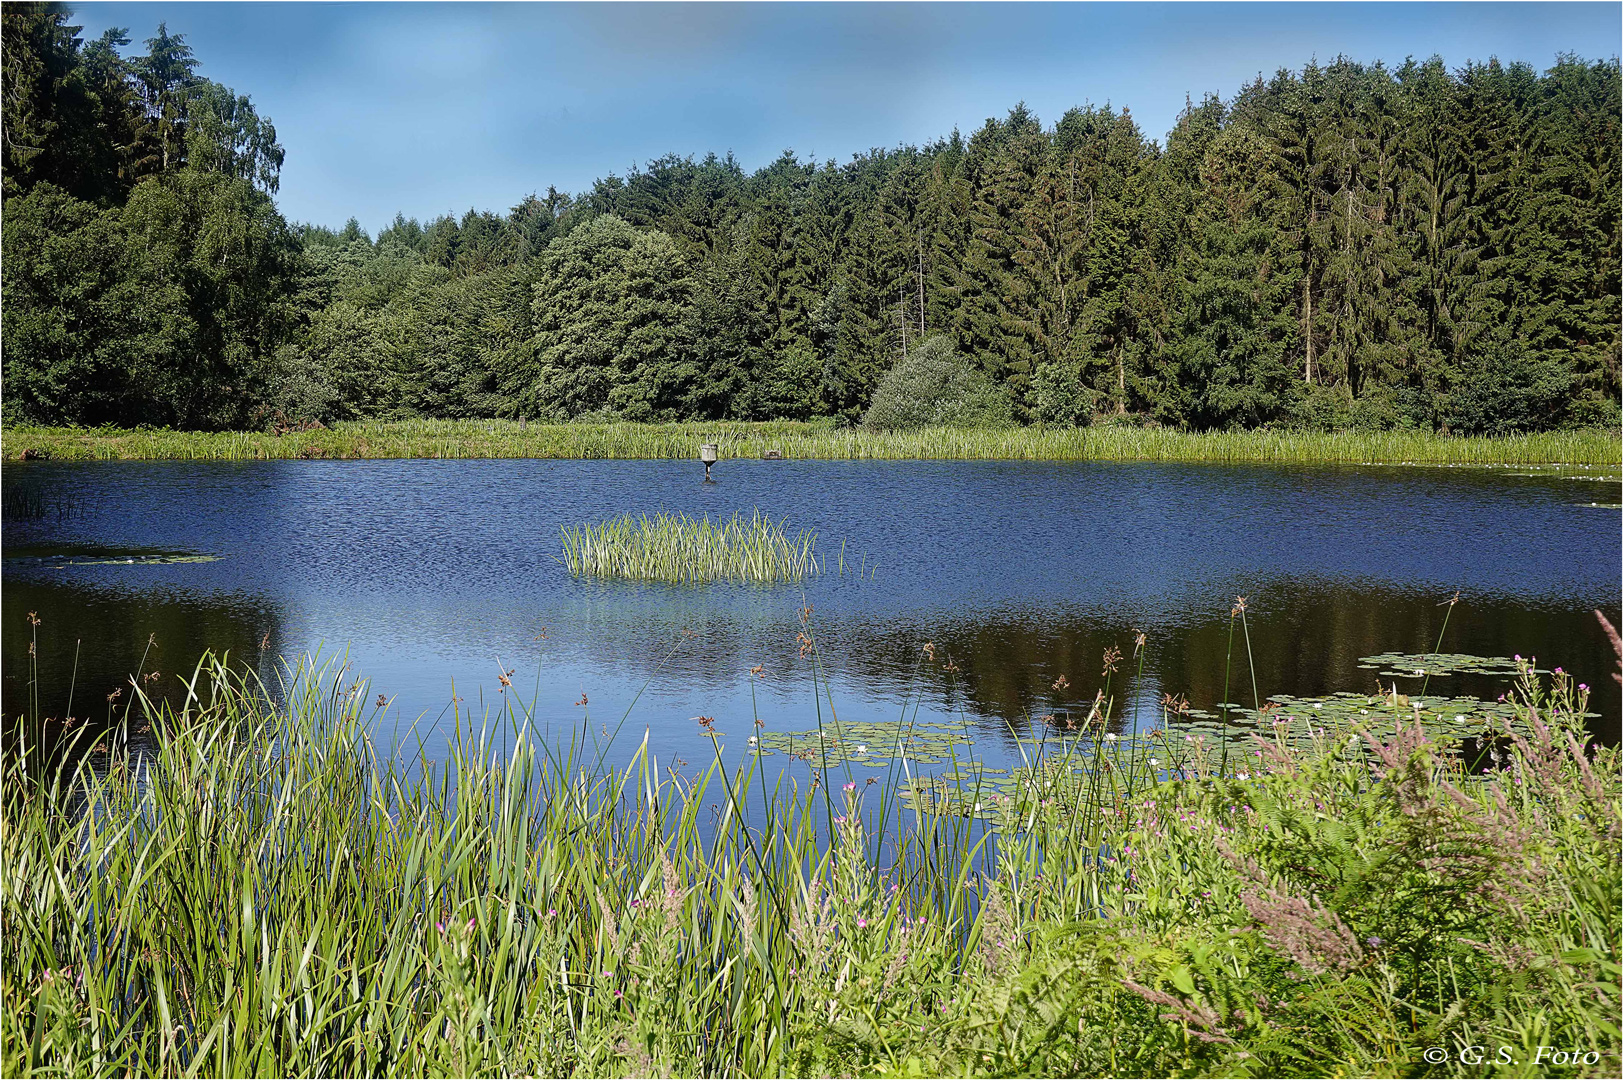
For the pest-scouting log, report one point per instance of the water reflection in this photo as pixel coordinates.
(431, 577)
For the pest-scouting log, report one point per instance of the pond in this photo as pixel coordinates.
(433, 578)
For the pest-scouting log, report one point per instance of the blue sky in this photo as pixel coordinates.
(432, 108)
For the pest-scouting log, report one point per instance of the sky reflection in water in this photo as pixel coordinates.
(426, 575)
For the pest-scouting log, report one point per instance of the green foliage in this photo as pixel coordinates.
(1506, 389)
(147, 274)
(934, 386)
(225, 135)
(89, 322)
(221, 244)
(527, 909)
(1061, 396)
(301, 390)
(611, 326)
(1344, 247)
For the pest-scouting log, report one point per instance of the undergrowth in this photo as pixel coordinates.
(267, 893)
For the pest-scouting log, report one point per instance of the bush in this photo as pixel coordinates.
(936, 386)
(301, 389)
(1063, 399)
(1504, 390)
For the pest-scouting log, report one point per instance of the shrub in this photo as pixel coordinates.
(936, 386)
(1062, 397)
(1506, 389)
(301, 389)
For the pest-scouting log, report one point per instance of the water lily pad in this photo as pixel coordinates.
(1421, 665)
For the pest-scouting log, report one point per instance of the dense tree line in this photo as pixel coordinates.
(147, 274)
(1344, 246)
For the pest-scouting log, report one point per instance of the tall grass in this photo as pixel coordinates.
(30, 502)
(678, 548)
(508, 439)
(267, 893)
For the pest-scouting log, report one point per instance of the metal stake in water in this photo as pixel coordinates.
(707, 454)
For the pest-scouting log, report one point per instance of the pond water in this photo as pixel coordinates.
(432, 578)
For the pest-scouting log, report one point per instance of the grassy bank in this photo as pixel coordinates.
(507, 439)
(268, 895)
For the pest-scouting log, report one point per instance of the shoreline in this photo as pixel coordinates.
(803, 441)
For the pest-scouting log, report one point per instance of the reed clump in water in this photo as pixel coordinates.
(265, 894)
(679, 548)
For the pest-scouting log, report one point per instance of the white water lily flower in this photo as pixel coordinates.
(753, 740)
(1154, 761)
(1110, 736)
(1459, 719)
(862, 748)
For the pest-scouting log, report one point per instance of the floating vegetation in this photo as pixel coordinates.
(1422, 665)
(141, 560)
(1593, 473)
(1063, 772)
(57, 559)
(866, 743)
(678, 548)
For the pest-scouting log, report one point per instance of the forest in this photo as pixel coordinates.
(1349, 246)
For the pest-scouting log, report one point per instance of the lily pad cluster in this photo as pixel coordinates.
(866, 743)
(1397, 665)
(1077, 773)
(1067, 772)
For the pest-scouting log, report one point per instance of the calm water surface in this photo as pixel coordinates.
(431, 578)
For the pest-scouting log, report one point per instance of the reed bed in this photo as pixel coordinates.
(679, 548)
(267, 894)
(807, 441)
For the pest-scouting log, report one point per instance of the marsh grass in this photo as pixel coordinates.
(1592, 448)
(683, 549)
(268, 893)
(33, 502)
